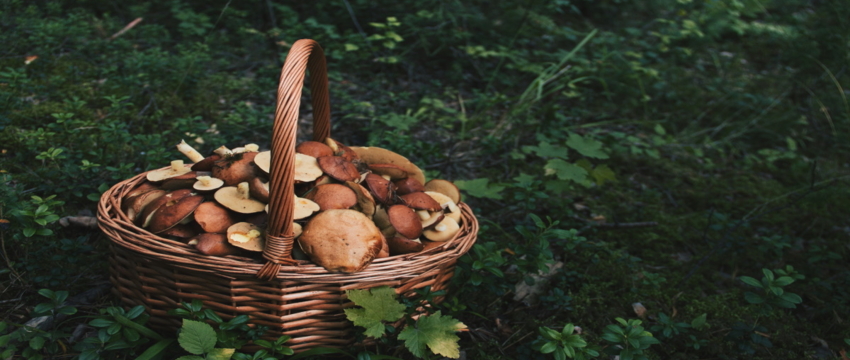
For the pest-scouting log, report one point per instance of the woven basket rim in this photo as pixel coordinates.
(122, 232)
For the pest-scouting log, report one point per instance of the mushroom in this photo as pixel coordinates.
(142, 188)
(314, 149)
(304, 208)
(207, 183)
(306, 168)
(449, 207)
(338, 168)
(182, 231)
(333, 196)
(246, 236)
(176, 169)
(214, 245)
(376, 155)
(395, 172)
(190, 152)
(420, 201)
(238, 199)
(144, 217)
(236, 168)
(405, 221)
(365, 201)
(444, 231)
(381, 218)
(444, 187)
(380, 188)
(341, 240)
(400, 245)
(213, 218)
(173, 212)
(259, 190)
(408, 185)
(207, 163)
(134, 205)
(263, 160)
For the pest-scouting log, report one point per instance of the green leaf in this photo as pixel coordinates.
(586, 146)
(699, 322)
(29, 232)
(138, 327)
(545, 149)
(549, 347)
(100, 323)
(753, 298)
(220, 354)
(196, 337)
(566, 171)
(189, 357)
(480, 188)
(154, 350)
(37, 342)
(792, 298)
(750, 281)
(435, 331)
(378, 305)
(783, 281)
(603, 173)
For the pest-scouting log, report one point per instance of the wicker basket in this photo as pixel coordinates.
(294, 298)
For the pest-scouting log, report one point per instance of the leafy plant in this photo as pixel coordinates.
(630, 337)
(565, 344)
(773, 292)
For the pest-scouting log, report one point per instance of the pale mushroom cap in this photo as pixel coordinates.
(444, 231)
(451, 209)
(304, 208)
(246, 236)
(177, 168)
(444, 187)
(235, 199)
(306, 168)
(263, 160)
(207, 183)
(341, 240)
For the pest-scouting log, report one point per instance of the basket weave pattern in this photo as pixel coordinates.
(294, 298)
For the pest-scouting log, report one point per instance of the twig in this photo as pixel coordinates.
(129, 26)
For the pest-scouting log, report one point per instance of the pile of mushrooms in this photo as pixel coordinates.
(352, 204)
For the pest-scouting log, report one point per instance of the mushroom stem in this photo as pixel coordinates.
(176, 165)
(244, 190)
(223, 151)
(204, 180)
(189, 151)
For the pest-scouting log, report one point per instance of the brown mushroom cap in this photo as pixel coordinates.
(215, 245)
(395, 172)
(246, 236)
(238, 199)
(380, 188)
(405, 221)
(400, 245)
(408, 185)
(173, 212)
(142, 188)
(236, 168)
(444, 231)
(444, 187)
(376, 155)
(144, 217)
(134, 205)
(338, 168)
(385, 248)
(314, 149)
(182, 231)
(213, 218)
(341, 240)
(333, 196)
(184, 181)
(207, 163)
(177, 168)
(420, 201)
(259, 190)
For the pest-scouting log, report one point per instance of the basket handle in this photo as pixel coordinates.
(304, 55)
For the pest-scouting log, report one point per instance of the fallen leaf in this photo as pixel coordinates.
(529, 293)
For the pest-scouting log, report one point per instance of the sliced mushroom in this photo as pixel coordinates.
(246, 236)
(134, 205)
(238, 199)
(143, 219)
